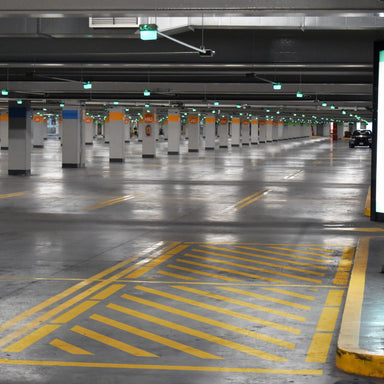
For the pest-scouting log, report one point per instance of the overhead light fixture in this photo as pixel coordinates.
(276, 86)
(62, 105)
(343, 112)
(4, 92)
(324, 104)
(147, 92)
(333, 107)
(87, 85)
(148, 31)
(116, 103)
(19, 101)
(299, 94)
(238, 106)
(216, 103)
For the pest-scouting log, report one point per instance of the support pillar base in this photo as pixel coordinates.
(19, 172)
(193, 150)
(70, 165)
(210, 148)
(116, 160)
(173, 153)
(38, 146)
(148, 156)
(4, 148)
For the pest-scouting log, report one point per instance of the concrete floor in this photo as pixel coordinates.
(210, 267)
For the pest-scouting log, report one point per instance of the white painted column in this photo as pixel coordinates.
(4, 137)
(45, 129)
(280, 131)
(165, 129)
(254, 130)
(37, 126)
(235, 130)
(210, 132)
(263, 131)
(149, 136)
(116, 135)
(20, 143)
(269, 128)
(173, 131)
(88, 130)
(60, 127)
(245, 134)
(73, 136)
(140, 130)
(275, 131)
(223, 132)
(127, 130)
(107, 134)
(193, 133)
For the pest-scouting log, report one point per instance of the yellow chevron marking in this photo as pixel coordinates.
(66, 347)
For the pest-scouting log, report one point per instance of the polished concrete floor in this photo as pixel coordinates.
(227, 266)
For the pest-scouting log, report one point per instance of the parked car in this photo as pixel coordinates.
(360, 138)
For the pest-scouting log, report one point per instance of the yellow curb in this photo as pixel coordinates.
(350, 358)
(368, 203)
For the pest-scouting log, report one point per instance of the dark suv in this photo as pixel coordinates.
(362, 137)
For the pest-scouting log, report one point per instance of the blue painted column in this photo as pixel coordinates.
(19, 155)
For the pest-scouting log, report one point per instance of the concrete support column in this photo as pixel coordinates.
(280, 131)
(245, 131)
(140, 130)
(210, 132)
(269, 129)
(45, 129)
(37, 131)
(60, 127)
(4, 137)
(275, 130)
(73, 136)
(149, 136)
(254, 130)
(116, 135)
(19, 157)
(223, 132)
(107, 135)
(193, 133)
(235, 130)
(127, 130)
(88, 130)
(174, 130)
(165, 129)
(263, 131)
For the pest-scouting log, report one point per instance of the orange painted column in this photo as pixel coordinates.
(235, 130)
(116, 135)
(210, 132)
(4, 137)
(127, 130)
(88, 129)
(193, 133)
(37, 125)
(223, 132)
(174, 131)
(149, 134)
(269, 125)
(245, 131)
(254, 130)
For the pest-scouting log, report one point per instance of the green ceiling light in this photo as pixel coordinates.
(213, 111)
(324, 104)
(148, 31)
(299, 94)
(4, 92)
(62, 105)
(343, 112)
(238, 106)
(216, 103)
(147, 92)
(116, 103)
(276, 86)
(87, 85)
(146, 105)
(19, 101)
(44, 109)
(268, 110)
(333, 107)
(278, 112)
(127, 109)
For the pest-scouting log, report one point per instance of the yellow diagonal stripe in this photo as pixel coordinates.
(176, 275)
(224, 311)
(73, 350)
(297, 251)
(257, 262)
(209, 321)
(232, 271)
(290, 293)
(196, 333)
(7, 195)
(334, 298)
(107, 292)
(255, 269)
(74, 312)
(110, 202)
(266, 298)
(202, 273)
(318, 350)
(245, 204)
(242, 303)
(32, 338)
(250, 197)
(112, 342)
(154, 263)
(320, 249)
(158, 339)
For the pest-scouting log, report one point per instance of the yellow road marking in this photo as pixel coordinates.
(266, 298)
(107, 292)
(112, 342)
(196, 333)
(209, 321)
(177, 276)
(348, 253)
(73, 350)
(319, 348)
(297, 251)
(154, 263)
(231, 271)
(254, 268)
(344, 268)
(246, 199)
(32, 338)
(250, 199)
(74, 312)
(334, 298)
(318, 372)
(320, 249)
(110, 202)
(242, 303)
(178, 249)
(290, 293)
(138, 273)
(257, 262)
(222, 310)
(327, 320)
(7, 195)
(341, 278)
(372, 229)
(202, 273)
(158, 339)
(266, 257)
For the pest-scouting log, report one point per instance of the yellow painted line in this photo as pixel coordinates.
(327, 320)
(177, 276)
(334, 298)
(199, 334)
(32, 338)
(262, 193)
(231, 271)
(53, 312)
(202, 273)
(290, 293)
(319, 249)
(319, 348)
(348, 253)
(187, 368)
(258, 262)
(367, 211)
(345, 265)
(42, 279)
(107, 292)
(7, 195)
(242, 303)
(110, 202)
(254, 269)
(285, 254)
(74, 312)
(222, 310)
(267, 257)
(266, 298)
(297, 251)
(138, 273)
(153, 337)
(206, 320)
(341, 278)
(178, 249)
(73, 350)
(112, 342)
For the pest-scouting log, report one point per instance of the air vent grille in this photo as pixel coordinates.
(113, 22)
